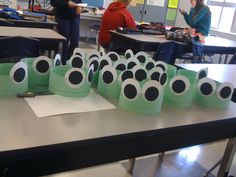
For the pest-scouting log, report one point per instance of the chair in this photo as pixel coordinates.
(12, 49)
(95, 27)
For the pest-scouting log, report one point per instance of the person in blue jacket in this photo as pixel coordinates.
(67, 15)
(199, 20)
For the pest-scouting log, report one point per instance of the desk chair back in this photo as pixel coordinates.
(12, 49)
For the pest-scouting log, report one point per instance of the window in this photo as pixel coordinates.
(223, 15)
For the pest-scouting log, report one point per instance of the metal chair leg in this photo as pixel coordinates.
(212, 168)
(131, 166)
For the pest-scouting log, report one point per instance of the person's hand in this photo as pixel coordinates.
(72, 4)
(182, 11)
(79, 10)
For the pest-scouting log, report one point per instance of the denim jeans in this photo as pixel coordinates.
(69, 28)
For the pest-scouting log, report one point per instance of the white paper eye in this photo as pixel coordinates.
(120, 65)
(19, 73)
(93, 54)
(127, 74)
(206, 86)
(113, 56)
(77, 61)
(80, 52)
(74, 78)
(162, 65)
(131, 89)
(105, 61)
(94, 62)
(90, 74)
(108, 74)
(155, 74)
(41, 65)
(141, 57)
(129, 54)
(132, 62)
(57, 60)
(140, 73)
(151, 91)
(202, 73)
(225, 90)
(179, 85)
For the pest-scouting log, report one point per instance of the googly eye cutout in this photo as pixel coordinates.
(120, 65)
(57, 60)
(140, 73)
(109, 74)
(202, 73)
(206, 86)
(74, 78)
(225, 90)
(132, 62)
(151, 91)
(127, 74)
(141, 57)
(155, 74)
(79, 51)
(90, 73)
(162, 65)
(105, 61)
(92, 54)
(130, 89)
(149, 64)
(76, 61)
(41, 65)
(179, 85)
(19, 73)
(129, 54)
(113, 56)
(94, 62)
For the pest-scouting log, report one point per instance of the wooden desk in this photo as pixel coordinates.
(32, 146)
(49, 39)
(147, 42)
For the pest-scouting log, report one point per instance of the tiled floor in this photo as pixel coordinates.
(189, 162)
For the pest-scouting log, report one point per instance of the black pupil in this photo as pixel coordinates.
(149, 66)
(178, 86)
(77, 62)
(225, 92)
(126, 75)
(151, 94)
(131, 65)
(155, 76)
(130, 91)
(103, 63)
(19, 75)
(113, 57)
(75, 77)
(140, 75)
(206, 88)
(95, 65)
(141, 58)
(161, 66)
(163, 78)
(121, 67)
(94, 55)
(90, 75)
(128, 55)
(42, 66)
(107, 77)
(202, 74)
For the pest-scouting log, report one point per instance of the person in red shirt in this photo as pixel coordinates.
(116, 15)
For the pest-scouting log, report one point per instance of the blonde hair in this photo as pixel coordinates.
(127, 2)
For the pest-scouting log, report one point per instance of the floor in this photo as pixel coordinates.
(189, 162)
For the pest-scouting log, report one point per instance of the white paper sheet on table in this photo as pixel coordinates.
(49, 105)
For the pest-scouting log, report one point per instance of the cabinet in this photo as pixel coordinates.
(147, 13)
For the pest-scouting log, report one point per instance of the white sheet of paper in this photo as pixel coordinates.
(156, 2)
(82, 4)
(49, 105)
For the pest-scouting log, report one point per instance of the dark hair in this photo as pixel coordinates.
(199, 4)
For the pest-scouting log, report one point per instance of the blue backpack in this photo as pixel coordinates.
(10, 13)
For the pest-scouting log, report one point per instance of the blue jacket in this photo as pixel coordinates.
(201, 21)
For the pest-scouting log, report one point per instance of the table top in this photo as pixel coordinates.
(91, 16)
(218, 72)
(38, 33)
(148, 38)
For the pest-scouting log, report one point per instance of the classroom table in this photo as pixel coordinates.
(32, 24)
(49, 39)
(32, 146)
(147, 42)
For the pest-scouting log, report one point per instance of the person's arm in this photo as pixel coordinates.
(130, 22)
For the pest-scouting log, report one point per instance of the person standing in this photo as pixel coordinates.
(67, 15)
(116, 15)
